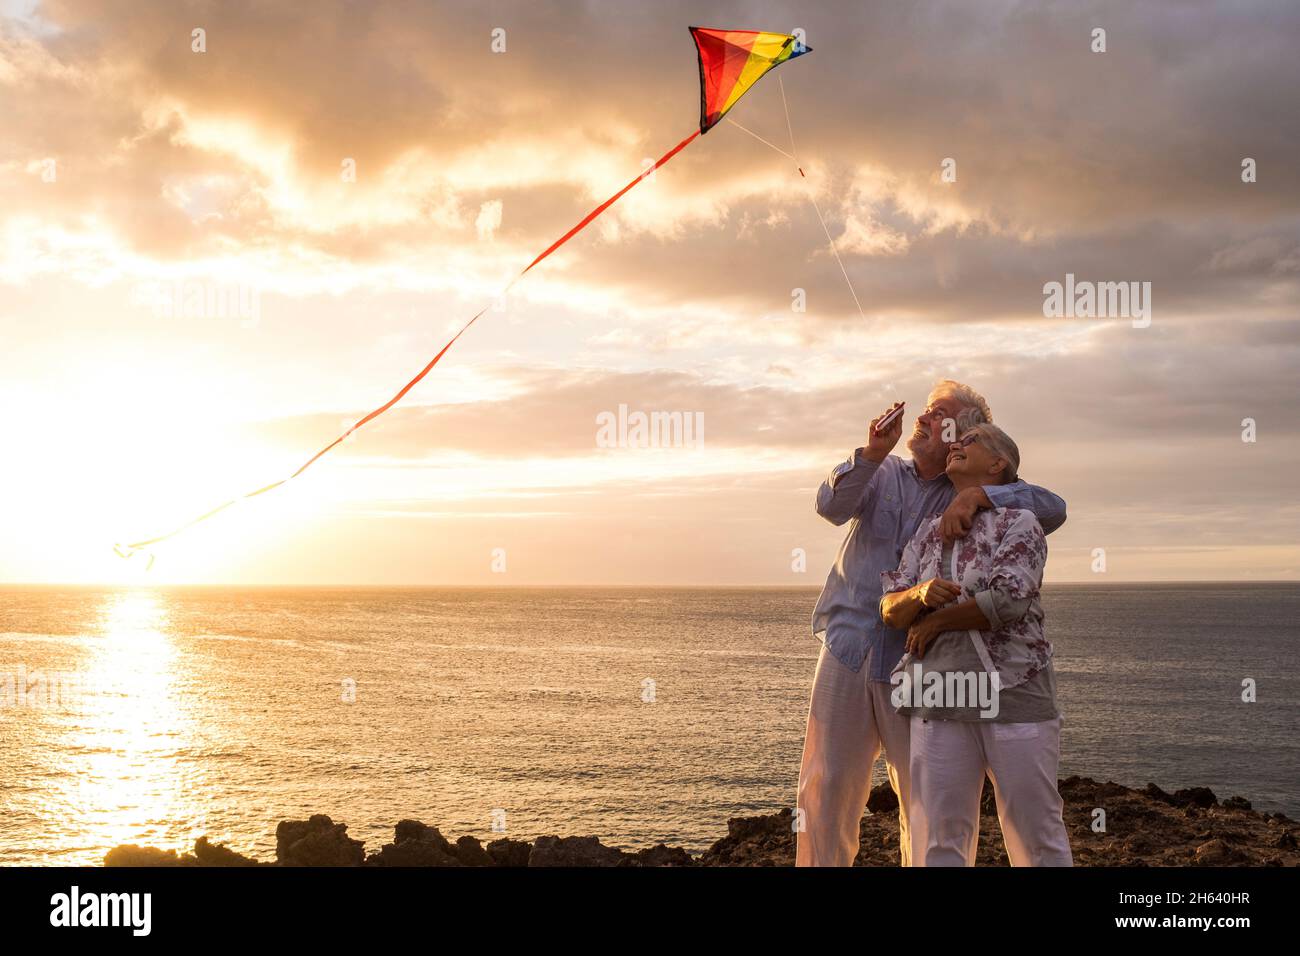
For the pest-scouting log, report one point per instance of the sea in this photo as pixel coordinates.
(639, 715)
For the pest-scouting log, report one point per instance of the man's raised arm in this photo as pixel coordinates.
(842, 494)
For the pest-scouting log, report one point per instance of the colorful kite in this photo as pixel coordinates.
(731, 62)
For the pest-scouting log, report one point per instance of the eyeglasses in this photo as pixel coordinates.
(968, 439)
(943, 410)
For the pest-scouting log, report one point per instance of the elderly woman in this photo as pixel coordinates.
(977, 679)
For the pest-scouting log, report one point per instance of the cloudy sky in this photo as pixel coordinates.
(134, 170)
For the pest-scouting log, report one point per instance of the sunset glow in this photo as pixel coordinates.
(215, 261)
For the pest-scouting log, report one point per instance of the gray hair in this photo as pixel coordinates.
(976, 412)
(1000, 444)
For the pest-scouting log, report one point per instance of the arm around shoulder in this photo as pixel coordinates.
(1047, 507)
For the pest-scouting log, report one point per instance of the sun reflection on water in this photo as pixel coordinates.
(123, 780)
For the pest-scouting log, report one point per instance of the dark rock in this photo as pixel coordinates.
(760, 841)
(316, 842)
(882, 799)
(742, 828)
(1149, 827)
(416, 844)
(1085, 790)
(218, 854)
(509, 852)
(411, 853)
(415, 830)
(132, 855)
(471, 853)
(1155, 793)
(1202, 797)
(662, 855)
(573, 851)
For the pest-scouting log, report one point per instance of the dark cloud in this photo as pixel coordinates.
(1128, 158)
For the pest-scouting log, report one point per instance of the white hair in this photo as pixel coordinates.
(976, 412)
(1000, 444)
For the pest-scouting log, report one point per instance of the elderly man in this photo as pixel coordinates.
(850, 718)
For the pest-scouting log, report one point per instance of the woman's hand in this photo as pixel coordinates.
(937, 592)
(920, 635)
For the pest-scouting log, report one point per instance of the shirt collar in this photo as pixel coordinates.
(910, 467)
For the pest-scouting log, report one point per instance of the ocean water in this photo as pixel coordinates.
(637, 715)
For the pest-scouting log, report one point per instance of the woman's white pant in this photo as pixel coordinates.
(850, 720)
(949, 759)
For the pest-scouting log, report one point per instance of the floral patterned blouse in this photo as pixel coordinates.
(1005, 552)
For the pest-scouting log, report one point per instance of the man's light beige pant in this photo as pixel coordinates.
(850, 720)
(948, 763)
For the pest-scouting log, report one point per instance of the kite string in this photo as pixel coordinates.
(794, 152)
(137, 546)
(813, 198)
(761, 140)
(845, 272)
(788, 126)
